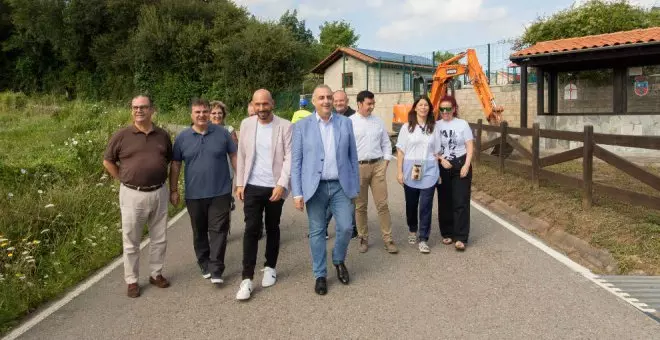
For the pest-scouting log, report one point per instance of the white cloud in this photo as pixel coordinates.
(374, 3)
(308, 10)
(423, 16)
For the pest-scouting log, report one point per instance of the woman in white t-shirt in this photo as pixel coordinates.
(455, 174)
(417, 146)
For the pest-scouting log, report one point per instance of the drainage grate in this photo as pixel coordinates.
(641, 291)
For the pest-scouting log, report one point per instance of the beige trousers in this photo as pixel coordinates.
(137, 209)
(374, 176)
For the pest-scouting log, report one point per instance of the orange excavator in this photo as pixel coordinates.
(442, 77)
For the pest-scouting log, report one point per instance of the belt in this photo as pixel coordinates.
(143, 188)
(370, 161)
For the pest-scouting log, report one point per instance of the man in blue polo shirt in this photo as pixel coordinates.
(203, 148)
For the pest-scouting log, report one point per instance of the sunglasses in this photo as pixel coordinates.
(446, 109)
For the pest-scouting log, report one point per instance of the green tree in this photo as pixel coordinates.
(337, 34)
(7, 59)
(593, 17)
(263, 55)
(297, 27)
(441, 56)
(38, 31)
(171, 49)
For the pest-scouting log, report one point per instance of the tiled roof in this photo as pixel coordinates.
(592, 42)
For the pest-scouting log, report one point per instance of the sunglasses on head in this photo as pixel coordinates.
(446, 109)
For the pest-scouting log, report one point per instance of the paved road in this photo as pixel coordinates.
(501, 287)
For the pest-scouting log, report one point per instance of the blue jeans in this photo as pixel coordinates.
(328, 217)
(329, 196)
(419, 200)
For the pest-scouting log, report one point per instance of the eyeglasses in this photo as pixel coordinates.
(140, 108)
(446, 109)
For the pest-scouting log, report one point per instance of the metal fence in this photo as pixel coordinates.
(404, 72)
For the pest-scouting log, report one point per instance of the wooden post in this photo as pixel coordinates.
(536, 154)
(503, 127)
(540, 83)
(477, 144)
(587, 167)
(523, 96)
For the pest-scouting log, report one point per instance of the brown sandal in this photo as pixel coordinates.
(447, 240)
(460, 246)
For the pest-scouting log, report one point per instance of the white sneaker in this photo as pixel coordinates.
(245, 290)
(217, 280)
(424, 247)
(270, 276)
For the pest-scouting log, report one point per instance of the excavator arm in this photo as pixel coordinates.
(447, 70)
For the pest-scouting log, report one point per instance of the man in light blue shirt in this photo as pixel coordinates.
(324, 175)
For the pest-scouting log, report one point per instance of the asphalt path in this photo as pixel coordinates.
(502, 287)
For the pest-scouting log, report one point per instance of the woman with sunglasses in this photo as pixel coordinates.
(417, 146)
(455, 174)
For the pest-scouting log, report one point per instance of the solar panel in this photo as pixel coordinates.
(396, 57)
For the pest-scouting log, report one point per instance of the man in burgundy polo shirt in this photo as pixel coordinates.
(139, 157)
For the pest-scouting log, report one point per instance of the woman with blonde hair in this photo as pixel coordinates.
(218, 114)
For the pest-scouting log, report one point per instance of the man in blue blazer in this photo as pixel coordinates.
(325, 175)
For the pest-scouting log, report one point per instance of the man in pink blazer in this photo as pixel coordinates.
(262, 183)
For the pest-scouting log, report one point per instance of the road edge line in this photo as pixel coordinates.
(565, 260)
(80, 288)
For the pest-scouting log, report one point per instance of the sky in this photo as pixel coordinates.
(420, 26)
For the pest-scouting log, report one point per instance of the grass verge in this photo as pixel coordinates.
(59, 214)
(630, 233)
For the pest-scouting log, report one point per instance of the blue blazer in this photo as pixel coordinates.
(307, 156)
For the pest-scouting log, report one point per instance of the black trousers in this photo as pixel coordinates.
(454, 201)
(210, 224)
(256, 204)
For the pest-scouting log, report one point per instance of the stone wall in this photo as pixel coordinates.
(507, 96)
(385, 101)
(635, 125)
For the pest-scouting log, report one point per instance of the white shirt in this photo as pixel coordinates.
(455, 133)
(419, 148)
(330, 168)
(371, 138)
(262, 167)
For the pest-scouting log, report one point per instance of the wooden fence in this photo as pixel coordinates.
(591, 147)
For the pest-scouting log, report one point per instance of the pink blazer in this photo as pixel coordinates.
(280, 151)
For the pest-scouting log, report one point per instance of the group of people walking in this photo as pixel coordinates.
(326, 160)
